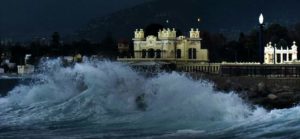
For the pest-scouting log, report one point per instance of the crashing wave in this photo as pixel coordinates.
(106, 96)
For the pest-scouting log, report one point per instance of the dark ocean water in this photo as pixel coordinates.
(98, 99)
(7, 84)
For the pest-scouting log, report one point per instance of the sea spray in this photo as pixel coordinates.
(99, 99)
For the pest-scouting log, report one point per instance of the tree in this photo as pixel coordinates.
(275, 32)
(108, 47)
(55, 39)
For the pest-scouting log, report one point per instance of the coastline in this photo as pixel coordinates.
(270, 93)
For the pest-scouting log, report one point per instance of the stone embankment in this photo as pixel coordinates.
(271, 93)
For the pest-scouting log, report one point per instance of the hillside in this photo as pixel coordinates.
(229, 17)
(24, 19)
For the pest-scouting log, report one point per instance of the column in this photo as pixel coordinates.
(294, 56)
(281, 57)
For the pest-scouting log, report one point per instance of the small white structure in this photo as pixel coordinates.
(68, 59)
(2, 71)
(274, 55)
(27, 68)
(27, 58)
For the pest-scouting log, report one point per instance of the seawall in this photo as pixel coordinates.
(267, 92)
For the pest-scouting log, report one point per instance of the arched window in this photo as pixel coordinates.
(158, 53)
(144, 53)
(192, 53)
(151, 53)
(178, 53)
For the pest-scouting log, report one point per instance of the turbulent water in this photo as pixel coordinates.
(98, 99)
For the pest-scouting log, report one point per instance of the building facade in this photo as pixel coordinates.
(275, 55)
(167, 46)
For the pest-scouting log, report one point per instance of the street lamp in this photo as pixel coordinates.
(261, 19)
(261, 39)
(199, 22)
(274, 55)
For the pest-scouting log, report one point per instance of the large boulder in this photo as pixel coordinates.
(272, 96)
(261, 87)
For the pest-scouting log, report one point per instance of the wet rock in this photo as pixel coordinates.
(286, 88)
(252, 94)
(261, 87)
(272, 96)
(253, 89)
(227, 85)
(274, 93)
(281, 89)
(285, 94)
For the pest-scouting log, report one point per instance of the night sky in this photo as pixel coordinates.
(41, 17)
(25, 19)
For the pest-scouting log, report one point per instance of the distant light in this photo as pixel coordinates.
(167, 21)
(261, 19)
(199, 20)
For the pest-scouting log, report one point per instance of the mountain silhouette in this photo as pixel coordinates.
(24, 19)
(229, 17)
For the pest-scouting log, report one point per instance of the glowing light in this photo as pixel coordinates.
(261, 19)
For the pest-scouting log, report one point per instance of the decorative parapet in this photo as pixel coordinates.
(273, 54)
(270, 46)
(167, 34)
(139, 34)
(294, 47)
(181, 38)
(240, 63)
(195, 34)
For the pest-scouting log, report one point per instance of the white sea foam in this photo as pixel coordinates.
(103, 94)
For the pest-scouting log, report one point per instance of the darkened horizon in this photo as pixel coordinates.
(35, 17)
(26, 19)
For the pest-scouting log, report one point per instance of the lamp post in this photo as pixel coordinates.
(261, 39)
(199, 22)
(274, 55)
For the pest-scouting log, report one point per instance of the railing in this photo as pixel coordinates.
(286, 70)
(251, 69)
(207, 68)
(159, 59)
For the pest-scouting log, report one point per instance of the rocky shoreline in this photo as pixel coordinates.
(270, 93)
